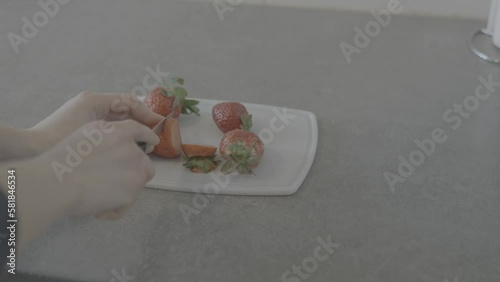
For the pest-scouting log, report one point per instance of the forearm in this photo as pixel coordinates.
(18, 143)
(39, 197)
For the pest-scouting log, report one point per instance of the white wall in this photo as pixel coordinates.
(477, 9)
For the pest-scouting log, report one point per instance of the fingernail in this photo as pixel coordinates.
(150, 149)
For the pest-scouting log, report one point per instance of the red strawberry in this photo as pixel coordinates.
(230, 116)
(242, 151)
(201, 157)
(161, 99)
(162, 104)
(170, 140)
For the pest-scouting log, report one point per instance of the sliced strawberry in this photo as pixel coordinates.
(201, 164)
(195, 150)
(170, 140)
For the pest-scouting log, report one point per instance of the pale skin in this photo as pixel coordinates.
(106, 182)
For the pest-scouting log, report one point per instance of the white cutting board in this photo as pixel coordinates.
(290, 148)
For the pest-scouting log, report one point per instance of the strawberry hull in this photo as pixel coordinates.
(161, 104)
(242, 151)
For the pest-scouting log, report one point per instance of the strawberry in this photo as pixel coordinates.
(161, 99)
(242, 151)
(162, 104)
(170, 140)
(230, 116)
(201, 164)
(201, 157)
(194, 150)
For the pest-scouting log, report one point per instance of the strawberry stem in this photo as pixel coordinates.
(174, 88)
(204, 163)
(247, 122)
(240, 159)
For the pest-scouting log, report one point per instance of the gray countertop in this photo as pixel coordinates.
(441, 223)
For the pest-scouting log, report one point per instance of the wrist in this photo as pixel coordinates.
(33, 142)
(40, 198)
(42, 176)
(18, 143)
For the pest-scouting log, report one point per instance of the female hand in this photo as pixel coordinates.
(99, 168)
(87, 107)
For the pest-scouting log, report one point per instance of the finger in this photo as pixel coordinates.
(149, 168)
(137, 131)
(120, 106)
(150, 149)
(119, 212)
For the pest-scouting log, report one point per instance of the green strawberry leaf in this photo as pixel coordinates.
(227, 168)
(204, 163)
(167, 92)
(188, 106)
(180, 92)
(247, 122)
(241, 158)
(191, 108)
(191, 102)
(206, 166)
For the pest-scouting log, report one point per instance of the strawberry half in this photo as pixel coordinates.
(195, 150)
(242, 151)
(229, 116)
(201, 158)
(161, 99)
(170, 140)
